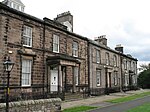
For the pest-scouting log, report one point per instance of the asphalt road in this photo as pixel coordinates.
(122, 107)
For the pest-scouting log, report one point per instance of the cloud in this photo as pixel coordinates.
(135, 42)
(123, 22)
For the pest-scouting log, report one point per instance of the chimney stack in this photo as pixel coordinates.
(101, 40)
(66, 19)
(119, 48)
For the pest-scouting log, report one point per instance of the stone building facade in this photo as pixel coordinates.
(107, 68)
(49, 58)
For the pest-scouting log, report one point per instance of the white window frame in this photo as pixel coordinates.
(75, 49)
(26, 72)
(126, 79)
(27, 36)
(107, 58)
(97, 56)
(115, 78)
(125, 64)
(76, 75)
(55, 43)
(115, 60)
(98, 77)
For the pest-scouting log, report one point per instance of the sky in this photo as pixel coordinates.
(125, 22)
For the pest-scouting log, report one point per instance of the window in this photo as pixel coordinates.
(134, 66)
(15, 6)
(75, 49)
(56, 43)
(126, 79)
(76, 75)
(26, 72)
(97, 56)
(134, 79)
(22, 9)
(125, 64)
(10, 4)
(115, 78)
(115, 60)
(27, 36)
(107, 59)
(98, 77)
(129, 65)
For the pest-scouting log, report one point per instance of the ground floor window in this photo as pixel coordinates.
(26, 72)
(115, 78)
(126, 79)
(98, 77)
(76, 75)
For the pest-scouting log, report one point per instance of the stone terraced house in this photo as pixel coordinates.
(52, 61)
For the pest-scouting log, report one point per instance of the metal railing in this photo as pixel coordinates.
(17, 94)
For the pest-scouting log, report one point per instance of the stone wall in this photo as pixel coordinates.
(43, 105)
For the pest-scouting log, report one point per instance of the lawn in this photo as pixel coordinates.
(143, 108)
(79, 109)
(129, 98)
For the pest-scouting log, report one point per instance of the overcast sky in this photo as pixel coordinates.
(125, 22)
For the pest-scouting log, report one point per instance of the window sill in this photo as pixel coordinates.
(27, 46)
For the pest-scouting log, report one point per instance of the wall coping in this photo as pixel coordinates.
(30, 102)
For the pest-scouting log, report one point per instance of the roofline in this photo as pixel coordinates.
(14, 11)
(109, 49)
(3, 6)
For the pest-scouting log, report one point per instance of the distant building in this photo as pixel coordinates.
(15, 4)
(50, 59)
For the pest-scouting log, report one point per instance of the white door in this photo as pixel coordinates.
(54, 80)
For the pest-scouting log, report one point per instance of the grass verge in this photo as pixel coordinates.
(129, 98)
(79, 109)
(143, 108)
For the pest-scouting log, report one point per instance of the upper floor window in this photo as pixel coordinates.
(56, 43)
(26, 72)
(129, 65)
(115, 60)
(75, 49)
(97, 56)
(134, 66)
(27, 36)
(98, 77)
(125, 64)
(107, 58)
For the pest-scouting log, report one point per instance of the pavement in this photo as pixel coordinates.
(123, 107)
(100, 100)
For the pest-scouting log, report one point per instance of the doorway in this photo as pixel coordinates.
(54, 81)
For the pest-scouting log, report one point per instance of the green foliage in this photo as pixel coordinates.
(129, 98)
(79, 109)
(144, 79)
(143, 108)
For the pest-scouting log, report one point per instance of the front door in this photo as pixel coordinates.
(54, 80)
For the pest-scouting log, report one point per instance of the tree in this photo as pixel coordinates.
(144, 79)
(144, 67)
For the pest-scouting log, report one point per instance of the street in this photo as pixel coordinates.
(122, 107)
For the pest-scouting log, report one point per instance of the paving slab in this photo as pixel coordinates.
(100, 100)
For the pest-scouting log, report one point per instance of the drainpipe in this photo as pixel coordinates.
(121, 84)
(43, 59)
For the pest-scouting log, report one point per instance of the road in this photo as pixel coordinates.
(122, 107)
